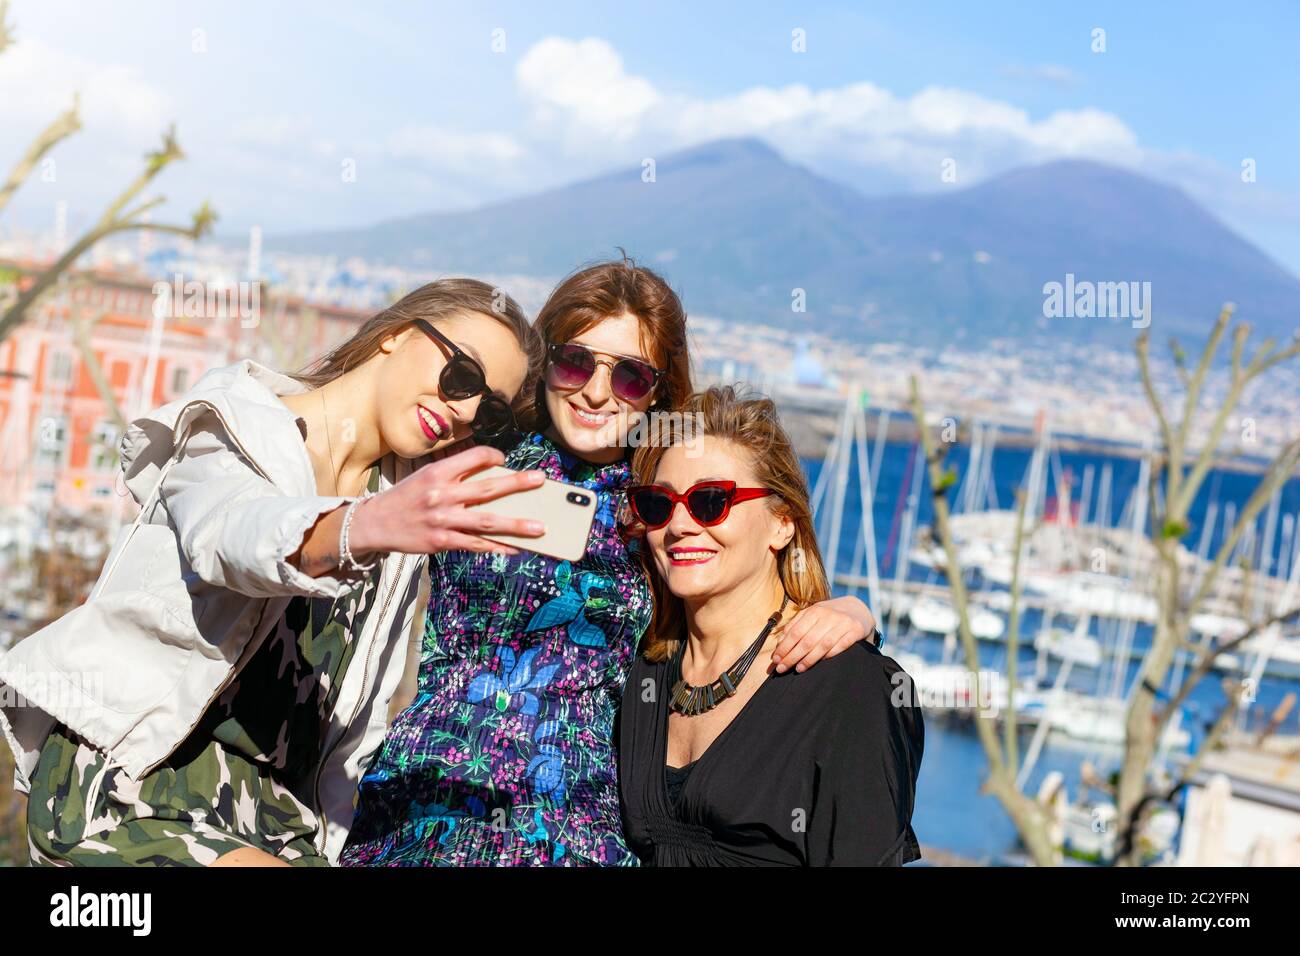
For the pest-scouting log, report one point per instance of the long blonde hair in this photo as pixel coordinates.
(433, 302)
(752, 424)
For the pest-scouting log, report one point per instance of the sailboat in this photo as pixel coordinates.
(933, 616)
(1075, 645)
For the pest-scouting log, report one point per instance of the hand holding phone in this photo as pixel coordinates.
(436, 509)
(567, 511)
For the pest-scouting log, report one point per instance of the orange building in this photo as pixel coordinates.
(58, 438)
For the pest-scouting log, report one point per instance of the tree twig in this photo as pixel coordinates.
(60, 129)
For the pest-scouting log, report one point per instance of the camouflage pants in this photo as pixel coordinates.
(83, 810)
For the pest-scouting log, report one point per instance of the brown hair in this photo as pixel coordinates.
(752, 424)
(605, 290)
(432, 302)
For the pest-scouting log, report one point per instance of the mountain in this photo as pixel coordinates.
(736, 228)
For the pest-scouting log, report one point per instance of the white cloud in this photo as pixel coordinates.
(584, 102)
(584, 112)
(583, 83)
(114, 99)
(1086, 132)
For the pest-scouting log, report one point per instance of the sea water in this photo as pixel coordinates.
(951, 813)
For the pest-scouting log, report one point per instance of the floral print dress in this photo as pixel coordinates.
(506, 756)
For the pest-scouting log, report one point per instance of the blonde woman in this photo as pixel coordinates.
(213, 701)
(723, 761)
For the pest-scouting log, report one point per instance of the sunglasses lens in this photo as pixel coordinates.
(493, 417)
(708, 504)
(652, 507)
(571, 366)
(631, 380)
(462, 378)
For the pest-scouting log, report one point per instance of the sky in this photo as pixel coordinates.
(298, 116)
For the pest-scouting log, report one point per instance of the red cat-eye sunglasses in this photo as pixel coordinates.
(708, 502)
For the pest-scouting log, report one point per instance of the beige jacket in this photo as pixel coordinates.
(192, 588)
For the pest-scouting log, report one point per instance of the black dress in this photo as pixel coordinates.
(817, 769)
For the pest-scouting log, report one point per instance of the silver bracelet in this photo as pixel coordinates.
(346, 560)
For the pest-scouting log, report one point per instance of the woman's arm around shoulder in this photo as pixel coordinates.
(823, 630)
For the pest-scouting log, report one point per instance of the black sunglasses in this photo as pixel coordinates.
(462, 378)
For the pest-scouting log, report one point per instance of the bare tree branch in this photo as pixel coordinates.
(1143, 725)
(1181, 499)
(1011, 742)
(1205, 662)
(155, 162)
(112, 222)
(1029, 816)
(81, 331)
(64, 126)
(6, 28)
(1193, 396)
(1282, 468)
(1128, 831)
(1144, 366)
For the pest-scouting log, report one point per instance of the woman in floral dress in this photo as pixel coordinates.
(506, 756)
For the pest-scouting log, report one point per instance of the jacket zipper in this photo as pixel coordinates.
(356, 710)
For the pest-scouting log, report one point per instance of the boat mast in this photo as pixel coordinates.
(867, 496)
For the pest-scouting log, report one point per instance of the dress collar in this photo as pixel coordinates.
(562, 464)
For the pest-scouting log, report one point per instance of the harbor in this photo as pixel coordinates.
(1088, 609)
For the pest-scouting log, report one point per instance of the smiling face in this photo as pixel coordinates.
(591, 421)
(415, 417)
(698, 563)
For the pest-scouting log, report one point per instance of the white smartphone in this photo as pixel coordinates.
(566, 510)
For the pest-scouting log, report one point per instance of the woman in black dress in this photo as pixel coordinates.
(723, 761)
